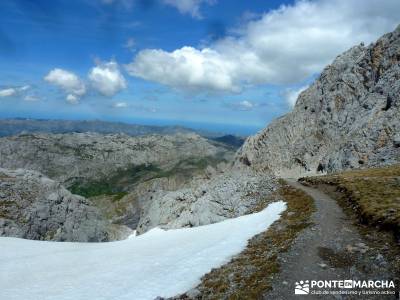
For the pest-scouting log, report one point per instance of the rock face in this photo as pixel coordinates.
(33, 206)
(82, 156)
(348, 118)
(220, 195)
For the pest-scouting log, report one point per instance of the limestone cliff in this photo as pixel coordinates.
(348, 118)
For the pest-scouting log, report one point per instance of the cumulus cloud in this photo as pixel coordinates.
(283, 46)
(68, 82)
(185, 68)
(13, 91)
(72, 99)
(8, 92)
(120, 105)
(291, 95)
(191, 7)
(107, 79)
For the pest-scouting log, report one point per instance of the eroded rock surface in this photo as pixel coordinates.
(213, 198)
(35, 207)
(74, 157)
(348, 118)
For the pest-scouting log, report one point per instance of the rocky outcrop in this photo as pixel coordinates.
(221, 194)
(33, 206)
(69, 158)
(348, 118)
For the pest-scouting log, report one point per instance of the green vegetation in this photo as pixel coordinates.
(249, 274)
(119, 181)
(115, 184)
(118, 196)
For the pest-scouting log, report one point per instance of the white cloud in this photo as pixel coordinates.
(72, 99)
(12, 91)
(244, 105)
(291, 95)
(285, 45)
(130, 44)
(120, 105)
(24, 88)
(107, 78)
(31, 98)
(185, 68)
(191, 7)
(68, 82)
(8, 92)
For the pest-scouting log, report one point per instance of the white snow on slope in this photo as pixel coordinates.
(157, 263)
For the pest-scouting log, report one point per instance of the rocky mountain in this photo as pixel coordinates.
(82, 157)
(33, 206)
(16, 126)
(119, 176)
(348, 118)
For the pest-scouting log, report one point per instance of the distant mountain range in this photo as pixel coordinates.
(9, 127)
(15, 126)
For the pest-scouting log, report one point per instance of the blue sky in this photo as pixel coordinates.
(216, 64)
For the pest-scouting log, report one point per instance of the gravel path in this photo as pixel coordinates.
(331, 249)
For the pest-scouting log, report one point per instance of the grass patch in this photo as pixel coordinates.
(374, 194)
(249, 274)
(118, 196)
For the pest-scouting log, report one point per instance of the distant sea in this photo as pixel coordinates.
(234, 129)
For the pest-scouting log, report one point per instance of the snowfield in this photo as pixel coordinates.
(157, 263)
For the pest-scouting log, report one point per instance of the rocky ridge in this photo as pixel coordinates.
(348, 118)
(73, 157)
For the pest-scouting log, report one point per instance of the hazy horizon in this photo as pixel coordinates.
(219, 128)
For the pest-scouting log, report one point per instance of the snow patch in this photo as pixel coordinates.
(157, 263)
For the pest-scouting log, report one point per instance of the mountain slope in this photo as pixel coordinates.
(33, 206)
(82, 157)
(348, 118)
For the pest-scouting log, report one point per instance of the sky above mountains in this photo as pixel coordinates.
(204, 63)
